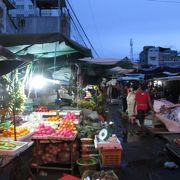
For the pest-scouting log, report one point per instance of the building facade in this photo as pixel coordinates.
(6, 23)
(158, 56)
(37, 16)
(24, 8)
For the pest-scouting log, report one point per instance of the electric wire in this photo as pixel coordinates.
(76, 25)
(77, 29)
(82, 29)
(73, 35)
(76, 36)
(164, 1)
(95, 25)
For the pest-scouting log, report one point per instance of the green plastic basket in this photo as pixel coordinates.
(88, 163)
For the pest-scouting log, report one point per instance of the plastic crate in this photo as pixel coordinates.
(111, 157)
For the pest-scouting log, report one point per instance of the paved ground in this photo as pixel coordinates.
(143, 156)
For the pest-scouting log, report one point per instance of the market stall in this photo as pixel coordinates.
(16, 159)
(51, 132)
(55, 136)
(169, 114)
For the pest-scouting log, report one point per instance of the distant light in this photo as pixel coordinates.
(159, 83)
(38, 82)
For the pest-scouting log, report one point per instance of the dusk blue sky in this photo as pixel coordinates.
(110, 25)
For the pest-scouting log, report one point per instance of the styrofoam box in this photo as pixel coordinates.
(64, 112)
(108, 145)
(20, 147)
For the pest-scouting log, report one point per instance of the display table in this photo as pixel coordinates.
(171, 125)
(54, 154)
(18, 166)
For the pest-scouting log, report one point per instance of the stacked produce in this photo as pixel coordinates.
(70, 116)
(7, 145)
(88, 104)
(20, 131)
(43, 130)
(67, 129)
(41, 109)
(54, 153)
(54, 118)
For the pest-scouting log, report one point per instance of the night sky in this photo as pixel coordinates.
(110, 24)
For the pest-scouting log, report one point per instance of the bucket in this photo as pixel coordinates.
(86, 141)
(88, 163)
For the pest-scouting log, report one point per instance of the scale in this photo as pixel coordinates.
(106, 132)
(103, 134)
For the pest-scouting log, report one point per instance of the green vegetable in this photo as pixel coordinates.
(6, 148)
(7, 145)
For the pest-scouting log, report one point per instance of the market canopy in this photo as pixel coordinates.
(160, 69)
(171, 78)
(51, 48)
(110, 62)
(120, 70)
(131, 77)
(9, 61)
(46, 45)
(101, 61)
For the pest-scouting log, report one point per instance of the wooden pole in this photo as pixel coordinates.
(14, 122)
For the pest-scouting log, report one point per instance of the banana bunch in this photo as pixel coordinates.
(88, 104)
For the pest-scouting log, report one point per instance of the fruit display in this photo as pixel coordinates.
(68, 124)
(55, 153)
(67, 129)
(43, 130)
(66, 133)
(88, 104)
(70, 116)
(42, 109)
(20, 131)
(12, 148)
(54, 118)
(7, 145)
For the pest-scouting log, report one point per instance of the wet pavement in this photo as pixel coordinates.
(143, 157)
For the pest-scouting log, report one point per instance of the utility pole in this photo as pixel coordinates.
(131, 50)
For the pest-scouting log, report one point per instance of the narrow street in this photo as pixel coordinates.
(142, 157)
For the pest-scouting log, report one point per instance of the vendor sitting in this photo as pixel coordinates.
(58, 99)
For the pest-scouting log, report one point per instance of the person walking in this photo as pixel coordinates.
(130, 103)
(142, 104)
